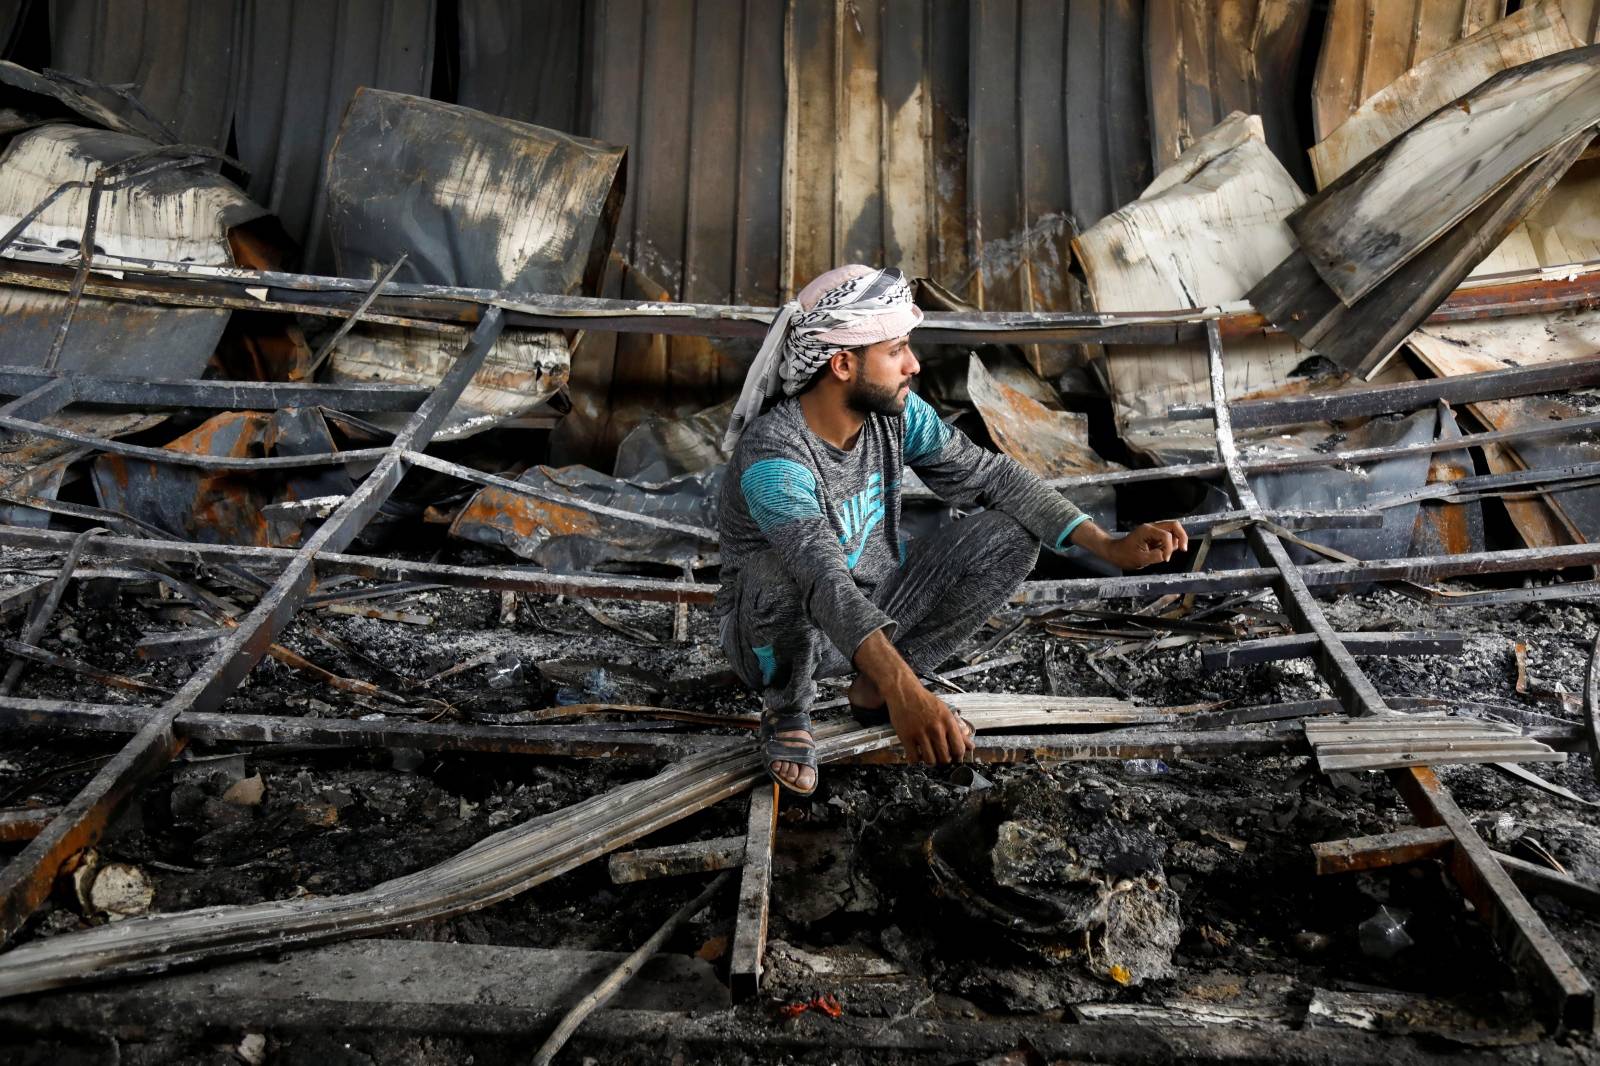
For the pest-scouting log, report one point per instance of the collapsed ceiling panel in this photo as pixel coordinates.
(178, 56)
(1208, 228)
(177, 214)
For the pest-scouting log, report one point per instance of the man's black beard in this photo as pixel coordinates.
(865, 398)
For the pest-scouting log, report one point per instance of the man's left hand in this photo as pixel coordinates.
(1153, 542)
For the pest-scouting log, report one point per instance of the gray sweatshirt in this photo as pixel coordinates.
(833, 516)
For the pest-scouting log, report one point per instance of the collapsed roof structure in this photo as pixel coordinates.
(323, 325)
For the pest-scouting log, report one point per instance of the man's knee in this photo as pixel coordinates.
(1002, 541)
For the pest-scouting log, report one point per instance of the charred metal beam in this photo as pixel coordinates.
(200, 460)
(1567, 998)
(1410, 396)
(1555, 428)
(219, 395)
(44, 400)
(45, 609)
(26, 880)
(675, 860)
(1302, 645)
(755, 894)
(1510, 295)
(353, 317)
(1335, 519)
(1322, 576)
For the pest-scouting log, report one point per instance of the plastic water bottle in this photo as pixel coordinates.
(1383, 936)
(1144, 767)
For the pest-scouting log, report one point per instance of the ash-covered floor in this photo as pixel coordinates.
(1057, 893)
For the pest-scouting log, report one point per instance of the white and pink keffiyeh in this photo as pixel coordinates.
(847, 307)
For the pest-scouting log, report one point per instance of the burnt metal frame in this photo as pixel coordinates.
(1566, 997)
(26, 880)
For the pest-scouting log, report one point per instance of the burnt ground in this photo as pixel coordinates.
(1042, 892)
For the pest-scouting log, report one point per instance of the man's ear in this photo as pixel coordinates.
(839, 364)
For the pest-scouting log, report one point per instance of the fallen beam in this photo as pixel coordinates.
(676, 860)
(1566, 997)
(1303, 645)
(26, 880)
(212, 395)
(1436, 842)
(755, 894)
(1410, 396)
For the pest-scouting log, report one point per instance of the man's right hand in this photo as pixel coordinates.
(927, 727)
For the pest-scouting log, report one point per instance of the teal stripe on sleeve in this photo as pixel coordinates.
(779, 491)
(925, 434)
(1062, 541)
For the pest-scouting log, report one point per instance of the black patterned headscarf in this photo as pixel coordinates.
(847, 307)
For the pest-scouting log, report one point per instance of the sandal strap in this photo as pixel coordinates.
(776, 722)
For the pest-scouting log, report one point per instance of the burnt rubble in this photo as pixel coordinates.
(358, 527)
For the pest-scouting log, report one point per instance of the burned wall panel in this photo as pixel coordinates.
(1366, 44)
(301, 61)
(1207, 58)
(524, 59)
(180, 57)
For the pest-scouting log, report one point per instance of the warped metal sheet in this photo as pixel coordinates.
(661, 448)
(1208, 228)
(1361, 230)
(181, 214)
(178, 56)
(1050, 443)
(875, 160)
(1057, 141)
(523, 59)
(1367, 44)
(36, 466)
(1206, 58)
(55, 95)
(471, 199)
(1358, 335)
(226, 507)
(300, 63)
(567, 538)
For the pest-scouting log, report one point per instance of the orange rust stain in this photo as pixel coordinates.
(526, 516)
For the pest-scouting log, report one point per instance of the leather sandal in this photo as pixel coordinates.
(787, 749)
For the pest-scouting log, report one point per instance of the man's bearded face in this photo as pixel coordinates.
(883, 378)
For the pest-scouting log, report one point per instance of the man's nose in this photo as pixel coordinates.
(912, 366)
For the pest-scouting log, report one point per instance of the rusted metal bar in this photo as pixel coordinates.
(26, 880)
(1567, 998)
(182, 642)
(755, 884)
(675, 860)
(1437, 842)
(1388, 849)
(85, 257)
(45, 609)
(1335, 519)
(42, 402)
(1591, 706)
(1410, 396)
(1301, 645)
(25, 652)
(219, 395)
(352, 318)
(199, 460)
(1554, 428)
(24, 823)
(1511, 295)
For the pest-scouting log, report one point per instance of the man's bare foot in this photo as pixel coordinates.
(800, 778)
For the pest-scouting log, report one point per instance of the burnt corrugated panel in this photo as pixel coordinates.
(875, 155)
(301, 62)
(695, 91)
(1058, 139)
(10, 15)
(1207, 58)
(179, 56)
(1583, 17)
(523, 59)
(1367, 44)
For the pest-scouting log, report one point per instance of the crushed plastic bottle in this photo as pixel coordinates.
(506, 671)
(1383, 936)
(597, 687)
(1144, 767)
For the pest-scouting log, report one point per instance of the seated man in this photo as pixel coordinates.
(816, 577)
